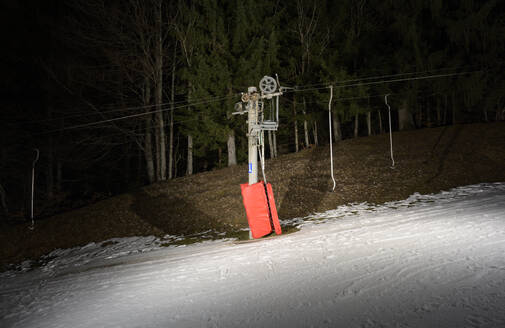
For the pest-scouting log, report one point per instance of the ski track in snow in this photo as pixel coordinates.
(427, 261)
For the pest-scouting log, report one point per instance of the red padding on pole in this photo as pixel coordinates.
(261, 218)
(273, 209)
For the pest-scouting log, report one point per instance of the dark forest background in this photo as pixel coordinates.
(119, 94)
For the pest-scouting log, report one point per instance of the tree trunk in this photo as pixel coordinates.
(156, 149)
(50, 169)
(337, 130)
(369, 122)
(148, 147)
(59, 166)
(50, 161)
(439, 114)
(500, 114)
(177, 158)
(189, 168)
(316, 141)
(305, 124)
(356, 125)
(381, 126)
(177, 155)
(3, 201)
(172, 105)
(158, 98)
(127, 163)
(453, 101)
(189, 161)
(405, 120)
(59, 176)
(138, 171)
(232, 153)
(419, 115)
(445, 109)
(271, 144)
(369, 118)
(295, 123)
(428, 114)
(148, 151)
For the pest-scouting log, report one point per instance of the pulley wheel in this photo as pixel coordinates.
(268, 84)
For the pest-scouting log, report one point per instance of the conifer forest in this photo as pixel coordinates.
(100, 97)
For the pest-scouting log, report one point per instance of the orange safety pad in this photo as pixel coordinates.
(273, 209)
(259, 216)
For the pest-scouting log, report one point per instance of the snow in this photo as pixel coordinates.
(427, 261)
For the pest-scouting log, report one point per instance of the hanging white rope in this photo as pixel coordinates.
(331, 137)
(37, 153)
(390, 131)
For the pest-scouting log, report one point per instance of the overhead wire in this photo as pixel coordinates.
(125, 109)
(90, 124)
(354, 98)
(418, 95)
(367, 78)
(297, 89)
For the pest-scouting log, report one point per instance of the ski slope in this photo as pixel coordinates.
(427, 261)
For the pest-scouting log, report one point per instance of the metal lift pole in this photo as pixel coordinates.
(252, 121)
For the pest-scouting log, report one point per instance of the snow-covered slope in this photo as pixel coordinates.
(428, 261)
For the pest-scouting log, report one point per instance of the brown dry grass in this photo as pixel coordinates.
(427, 161)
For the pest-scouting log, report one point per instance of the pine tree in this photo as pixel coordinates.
(212, 80)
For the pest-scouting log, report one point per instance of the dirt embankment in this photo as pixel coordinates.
(426, 161)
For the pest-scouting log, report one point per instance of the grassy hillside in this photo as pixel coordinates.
(427, 161)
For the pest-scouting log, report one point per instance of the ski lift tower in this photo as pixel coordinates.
(258, 197)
